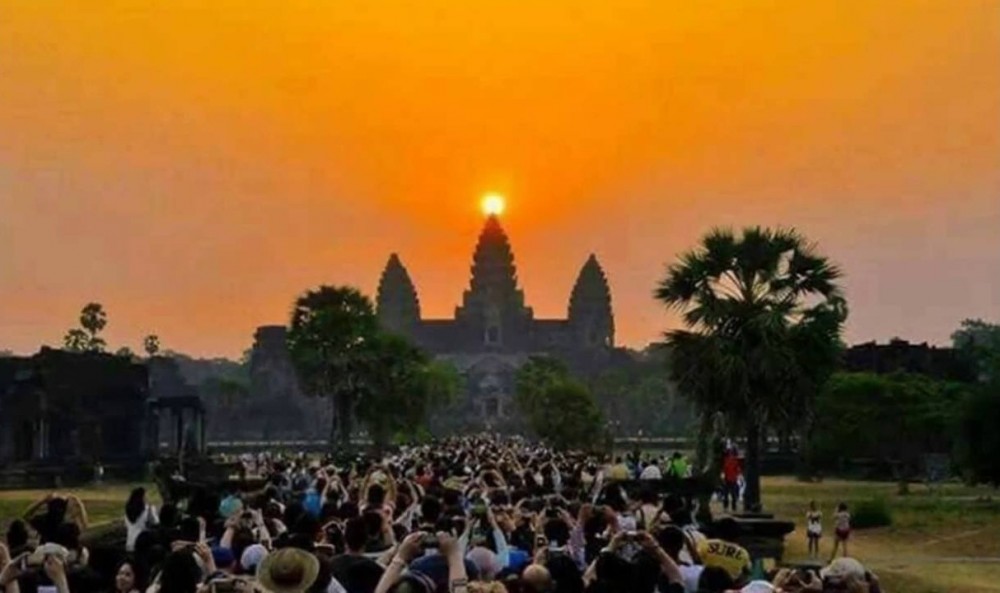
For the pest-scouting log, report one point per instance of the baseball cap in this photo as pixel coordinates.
(252, 557)
(229, 506)
(223, 557)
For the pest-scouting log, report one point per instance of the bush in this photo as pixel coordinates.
(871, 513)
(978, 445)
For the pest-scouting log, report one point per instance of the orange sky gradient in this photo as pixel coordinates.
(196, 165)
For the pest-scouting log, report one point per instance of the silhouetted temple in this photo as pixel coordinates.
(900, 356)
(63, 406)
(491, 335)
(493, 332)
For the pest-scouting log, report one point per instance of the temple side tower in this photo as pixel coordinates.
(397, 303)
(590, 312)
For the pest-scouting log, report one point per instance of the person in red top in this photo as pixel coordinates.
(425, 477)
(731, 479)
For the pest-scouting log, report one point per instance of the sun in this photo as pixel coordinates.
(493, 204)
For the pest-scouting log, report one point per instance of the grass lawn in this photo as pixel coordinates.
(941, 541)
(104, 503)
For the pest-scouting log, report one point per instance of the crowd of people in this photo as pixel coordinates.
(471, 515)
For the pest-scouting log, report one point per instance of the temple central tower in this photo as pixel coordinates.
(494, 304)
(493, 332)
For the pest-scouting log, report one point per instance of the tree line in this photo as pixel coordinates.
(757, 357)
(87, 337)
(902, 422)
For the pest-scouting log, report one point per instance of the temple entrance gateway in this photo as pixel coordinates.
(179, 424)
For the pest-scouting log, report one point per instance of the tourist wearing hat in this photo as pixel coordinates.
(843, 574)
(225, 560)
(231, 505)
(486, 561)
(848, 574)
(252, 557)
(289, 570)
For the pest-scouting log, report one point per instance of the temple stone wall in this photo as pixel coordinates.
(285, 412)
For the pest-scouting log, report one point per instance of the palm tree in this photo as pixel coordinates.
(763, 315)
(151, 344)
(94, 319)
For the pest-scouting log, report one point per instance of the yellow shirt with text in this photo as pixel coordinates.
(732, 558)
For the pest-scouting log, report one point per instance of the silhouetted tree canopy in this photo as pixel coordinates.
(763, 313)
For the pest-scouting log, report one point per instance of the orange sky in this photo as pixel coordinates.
(195, 167)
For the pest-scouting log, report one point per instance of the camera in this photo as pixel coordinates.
(429, 541)
(37, 558)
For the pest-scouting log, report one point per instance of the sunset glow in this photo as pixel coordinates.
(194, 166)
(494, 204)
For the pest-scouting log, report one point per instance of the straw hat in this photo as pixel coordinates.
(289, 570)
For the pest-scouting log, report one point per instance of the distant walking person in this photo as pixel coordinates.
(651, 471)
(731, 472)
(842, 530)
(814, 529)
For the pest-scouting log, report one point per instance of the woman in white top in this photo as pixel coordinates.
(814, 529)
(139, 516)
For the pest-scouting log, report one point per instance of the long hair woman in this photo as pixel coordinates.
(139, 516)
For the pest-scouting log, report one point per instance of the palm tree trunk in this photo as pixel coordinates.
(751, 472)
(703, 448)
(707, 465)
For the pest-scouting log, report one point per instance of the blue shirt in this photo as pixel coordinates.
(313, 503)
